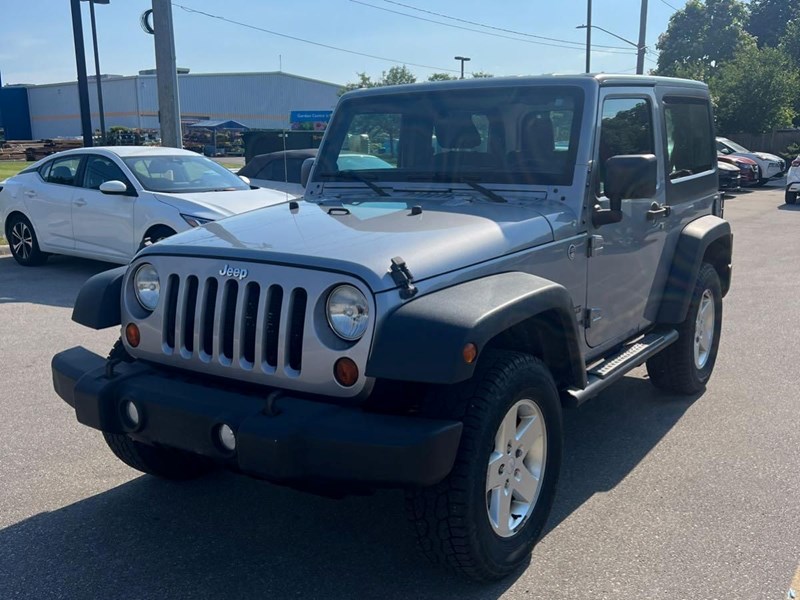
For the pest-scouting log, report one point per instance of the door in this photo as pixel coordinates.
(48, 198)
(103, 223)
(624, 269)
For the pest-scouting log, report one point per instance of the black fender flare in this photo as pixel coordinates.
(423, 340)
(98, 303)
(708, 239)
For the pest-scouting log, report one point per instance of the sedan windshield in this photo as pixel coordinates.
(501, 135)
(733, 146)
(182, 173)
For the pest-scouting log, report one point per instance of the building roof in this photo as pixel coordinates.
(220, 124)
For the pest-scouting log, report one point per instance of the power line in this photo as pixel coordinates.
(522, 33)
(298, 39)
(670, 5)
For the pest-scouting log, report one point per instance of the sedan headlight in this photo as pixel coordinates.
(195, 221)
(147, 286)
(348, 312)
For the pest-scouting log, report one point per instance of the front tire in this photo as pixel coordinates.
(167, 463)
(23, 242)
(791, 197)
(685, 366)
(484, 519)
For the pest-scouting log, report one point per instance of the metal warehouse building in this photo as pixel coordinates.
(257, 100)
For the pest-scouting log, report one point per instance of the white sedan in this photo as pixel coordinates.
(770, 166)
(107, 203)
(793, 182)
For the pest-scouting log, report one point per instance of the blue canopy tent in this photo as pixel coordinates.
(216, 125)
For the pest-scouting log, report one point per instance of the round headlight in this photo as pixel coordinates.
(147, 286)
(348, 312)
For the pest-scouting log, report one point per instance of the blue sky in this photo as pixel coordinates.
(36, 42)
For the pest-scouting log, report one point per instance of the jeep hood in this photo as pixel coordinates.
(218, 205)
(361, 238)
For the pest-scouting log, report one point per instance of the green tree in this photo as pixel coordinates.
(701, 37)
(768, 20)
(790, 42)
(756, 92)
(397, 76)
(441, 77)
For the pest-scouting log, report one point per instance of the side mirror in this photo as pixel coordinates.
(305, 171)
(628, 176)
(114, 187)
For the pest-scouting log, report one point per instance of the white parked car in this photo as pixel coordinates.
(793, 182)
(769, 165)
(107, 203)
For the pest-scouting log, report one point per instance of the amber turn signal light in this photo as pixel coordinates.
(470, 353)
(132, 335)
(346, 371)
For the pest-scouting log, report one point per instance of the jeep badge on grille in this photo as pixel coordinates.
(228, 271)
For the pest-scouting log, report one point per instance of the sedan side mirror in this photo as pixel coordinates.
(628, 176)
(113, 187)
(305, 171)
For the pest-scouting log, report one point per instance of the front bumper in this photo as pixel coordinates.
(293, 440)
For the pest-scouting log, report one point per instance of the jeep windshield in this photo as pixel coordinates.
(523, 135)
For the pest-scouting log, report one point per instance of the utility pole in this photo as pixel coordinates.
(169, 112)
(588, 36)
(641, 48)
(83, 83)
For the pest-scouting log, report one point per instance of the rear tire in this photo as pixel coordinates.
(484, 519)
(23, 242)
(167, 463)
(685, 366)
(791, 197)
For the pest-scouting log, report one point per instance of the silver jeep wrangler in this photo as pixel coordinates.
(511, 247)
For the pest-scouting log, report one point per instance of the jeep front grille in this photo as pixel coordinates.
(234, 322)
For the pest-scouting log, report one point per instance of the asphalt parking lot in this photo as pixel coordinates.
(660, 497)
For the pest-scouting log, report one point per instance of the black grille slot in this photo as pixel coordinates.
(297, 320)
(172, 310)
(209, 306)
(272, 324)
(252, 293)
(229, 295)
(189, 313)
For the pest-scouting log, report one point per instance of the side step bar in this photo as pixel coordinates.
(615, 366)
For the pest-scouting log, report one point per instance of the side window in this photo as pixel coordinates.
(626, 128)
(269, 172)
(63, 170)
(44, 170)
(100, 169)
(690, 143)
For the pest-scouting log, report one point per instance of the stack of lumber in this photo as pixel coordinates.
(34, 150)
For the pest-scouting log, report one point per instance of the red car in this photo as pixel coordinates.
(748, 168)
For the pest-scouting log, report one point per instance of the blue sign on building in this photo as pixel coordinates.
(310, 116)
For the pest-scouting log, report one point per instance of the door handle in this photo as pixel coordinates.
(658, 210)
(80, 202)
(30, 193)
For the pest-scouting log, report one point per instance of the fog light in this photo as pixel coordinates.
(132, 414)
(346, 371)
(132, 335)
(226, 437)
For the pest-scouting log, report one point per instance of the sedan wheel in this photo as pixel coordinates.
(23, 243)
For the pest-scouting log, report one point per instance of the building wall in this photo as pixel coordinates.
(257, 100)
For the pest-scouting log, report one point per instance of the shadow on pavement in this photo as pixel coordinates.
(56, 283)
(227, 536)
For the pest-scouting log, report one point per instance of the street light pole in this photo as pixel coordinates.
(80, 62)
(463, 59)
(97, 69)
(588, 36)
(169, 112)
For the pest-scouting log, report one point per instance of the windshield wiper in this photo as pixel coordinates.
(350, 174)
(444, 178)
(485, 191)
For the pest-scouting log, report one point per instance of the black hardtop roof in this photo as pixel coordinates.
(257, 162)
(581, 80)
